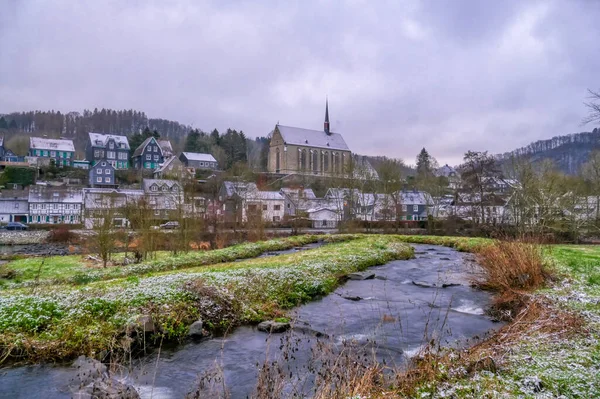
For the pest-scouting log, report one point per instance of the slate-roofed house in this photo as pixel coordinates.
(61, 151)
(268, 204)
(231, 199)
(49, 204)
(6, 154)
(149, 155)
(102, 174)
(306, 151)
(166, 147)
(108, 147)
(14, 206)
(416, 205)
(172, 168)
(296, 198)
(164, 196)
(198, 160)
(100, 202)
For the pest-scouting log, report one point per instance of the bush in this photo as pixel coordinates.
(61, 235)
(7, 273)
(512, 265)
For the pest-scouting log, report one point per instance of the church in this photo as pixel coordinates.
(306, 151)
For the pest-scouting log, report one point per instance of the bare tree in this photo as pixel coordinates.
(593, 107)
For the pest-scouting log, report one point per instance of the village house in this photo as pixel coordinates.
(270, 205)
(231, 199)
(61, 151)
(166, 147)
(108, 147)
(102, 202)
(165, 197)
(172, 168)
(52, 205)
(14, 206)
(324, 218)
(149, 155)
(198, 160)
(102, 174)
(303, 151)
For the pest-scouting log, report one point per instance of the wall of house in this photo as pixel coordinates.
(107, 177)
(272, 210)
(61, 158)
(54, 212)
(155, 157)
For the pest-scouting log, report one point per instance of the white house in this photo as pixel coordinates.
(51, 205)
(14, 206)
(324, 218)
(270, 204)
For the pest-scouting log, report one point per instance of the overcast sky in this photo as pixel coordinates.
(400, 75)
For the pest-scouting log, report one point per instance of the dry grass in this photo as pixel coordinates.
(512, 265)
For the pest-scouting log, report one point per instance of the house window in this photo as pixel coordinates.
(107, 179)
(148, 157)
(111, 145)
(16, 205)
(154, 188)
(156, 157)
(276, 218)
(107, 171)
(53, 154)
(55, 206)
(404, 208)
(155, 148)
(99, 171)
(415, 208)
(165, 188)
(277, 207)
(96, 154)
(201, 163)
(265, 207)
(111, 154)
(289, 206)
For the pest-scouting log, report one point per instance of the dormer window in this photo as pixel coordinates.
(98, 142)
(111, 145)
(165, 188)
(154, 188)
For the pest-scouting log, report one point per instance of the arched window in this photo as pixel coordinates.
(301, 159)
(325, 161)
(315, 160)
(343, 163)
(277, 161)
(335, 162)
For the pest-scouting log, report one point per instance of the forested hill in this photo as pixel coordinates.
(568, 152)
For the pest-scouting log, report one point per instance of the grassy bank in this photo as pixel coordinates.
(78, 269)
(53, 322)
(550, 349)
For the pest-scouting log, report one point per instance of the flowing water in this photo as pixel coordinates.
(388, 317)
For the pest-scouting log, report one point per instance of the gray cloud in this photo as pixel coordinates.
(448, 76)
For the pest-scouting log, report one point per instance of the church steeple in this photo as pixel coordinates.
(326, 124)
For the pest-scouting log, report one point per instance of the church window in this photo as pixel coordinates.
(277, 161)
(302, 159)
(315, 161)
(326, 161)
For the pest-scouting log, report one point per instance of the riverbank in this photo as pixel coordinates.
(115, 316)
(550, 349)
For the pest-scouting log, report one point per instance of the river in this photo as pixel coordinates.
(387, 318)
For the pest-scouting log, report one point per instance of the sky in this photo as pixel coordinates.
(400, 75)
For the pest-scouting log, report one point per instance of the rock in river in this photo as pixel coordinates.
(361, 276)
(423, 284)
(196, 330)
(272, 326)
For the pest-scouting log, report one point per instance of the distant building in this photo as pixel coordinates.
(61, 151)
(149, 155)
(324, 218)
(231, 200)
(108, 147)
(198, 160)
(100, 202)
(102, 174)
(166, 147)
(7, 157)
(172, 168)
(51, 205)
(164, 196)
(81, 164)
(14, 206)
(270, 205)
(304, 151)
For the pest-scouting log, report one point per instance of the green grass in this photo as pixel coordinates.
(74, 269)
(65, 320)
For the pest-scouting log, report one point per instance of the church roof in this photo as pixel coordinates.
(312, 138)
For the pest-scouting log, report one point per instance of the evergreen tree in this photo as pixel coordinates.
(3, 123)
(425, 164)
(13, 125)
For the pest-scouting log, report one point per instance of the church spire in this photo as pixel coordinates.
(326, 125)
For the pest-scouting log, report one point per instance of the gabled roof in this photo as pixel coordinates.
(55, 194)
(38, 143)
(138, 151)
(105, 164)
(415, 198)
(166, 147)
(312, 138)
(239, 188)
(101, 140)
(299, 193)
(147, 183)
(265, 196)
(197, 156)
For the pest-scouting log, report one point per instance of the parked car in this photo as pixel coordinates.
(170, 225)
(16, 226)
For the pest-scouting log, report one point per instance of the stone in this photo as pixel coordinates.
(352, 298)
(272, 326)
(445, 259)
(88, 369)
(196, 330)
(146, 323)
(361, 276)
(446, 285)
(107, 388)
(423, 284)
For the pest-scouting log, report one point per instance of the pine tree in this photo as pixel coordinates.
(3, 123)
(425, 167)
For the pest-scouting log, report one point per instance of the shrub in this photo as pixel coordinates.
(512, 265)
(61, 235)
(7, 272)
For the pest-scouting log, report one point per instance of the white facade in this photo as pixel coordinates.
(271, 204)
(50, 205)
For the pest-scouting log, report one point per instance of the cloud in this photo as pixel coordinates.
(448, 76)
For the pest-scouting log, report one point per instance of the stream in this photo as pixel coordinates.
(387, 318)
